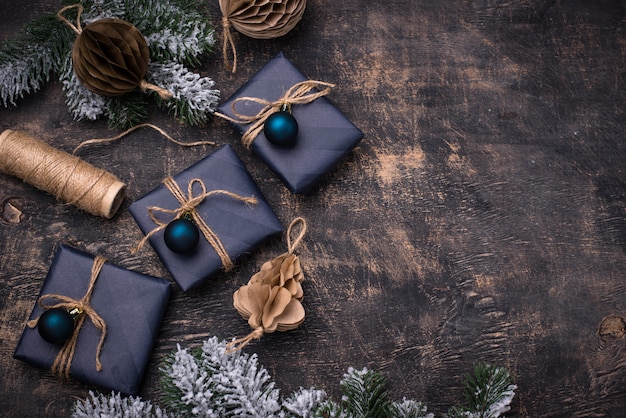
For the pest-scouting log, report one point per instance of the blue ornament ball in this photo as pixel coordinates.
(281, 129)
(56, 325)
(181, 236)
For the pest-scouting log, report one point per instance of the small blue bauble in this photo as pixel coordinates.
(281, 129)
(56, 325)
(181, 236)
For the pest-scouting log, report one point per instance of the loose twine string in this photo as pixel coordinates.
(229, 42)
(258, 332)
(241, 343)
(143, 84)
(63, 360)
(299, 93)
(75, 27)
(97, 141)
(188, 205)
(292, 247)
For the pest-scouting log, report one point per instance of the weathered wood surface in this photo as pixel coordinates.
(483, 217)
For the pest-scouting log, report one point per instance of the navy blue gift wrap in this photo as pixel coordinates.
(240, 227)
(325, 135)
(131, 304)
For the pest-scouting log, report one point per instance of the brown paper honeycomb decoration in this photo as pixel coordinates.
(263, 19)
(110, 57)
(258, 19)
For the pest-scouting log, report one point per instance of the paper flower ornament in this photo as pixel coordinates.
(271, 301)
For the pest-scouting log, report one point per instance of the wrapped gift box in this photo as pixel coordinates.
(240, 227)
(325, 135)
(131, 304)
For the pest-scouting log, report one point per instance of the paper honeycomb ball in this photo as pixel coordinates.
(263, 19)
(110, 57)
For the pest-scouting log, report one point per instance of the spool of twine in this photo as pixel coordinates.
(67, 177)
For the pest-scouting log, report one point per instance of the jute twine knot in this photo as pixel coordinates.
(63, 360)
(300, 93)
(229, 43)
(188, 204)
(282, 275)
(240, 343)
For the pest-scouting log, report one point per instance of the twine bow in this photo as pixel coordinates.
(299, 93)
(188, 205)
(63, 360)
(271, 299)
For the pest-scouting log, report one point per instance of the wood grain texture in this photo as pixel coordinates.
(482, 218)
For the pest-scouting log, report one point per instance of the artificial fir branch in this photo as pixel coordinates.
(193, 96)
(98, 9)
(176, 31)
(364, 394)
(488, 392)
(82, 103)
(127, 111)
(27, 61)
(99, 405)
(303, 403)
(409, 408)
(182, 375)
(211, 382)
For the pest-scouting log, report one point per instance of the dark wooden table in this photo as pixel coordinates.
(482, 218)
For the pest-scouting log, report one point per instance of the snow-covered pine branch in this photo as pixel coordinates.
(115, 405)
(177, 33)
(409, 408)
(214, 383)
(304, 402)
(27, 63)
(82, 103)
(100, 9)
(173, 33)
(194, 97)
(211, 382)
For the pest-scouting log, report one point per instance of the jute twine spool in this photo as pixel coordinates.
(67, 177)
